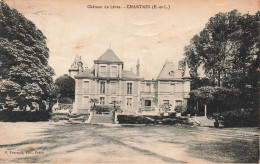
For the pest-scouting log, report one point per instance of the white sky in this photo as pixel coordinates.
(153, 36)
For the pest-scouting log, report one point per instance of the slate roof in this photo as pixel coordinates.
(169, 72)
(74, 66)
(186, 72)
(129, 74)
(88, 73)
(108, 57)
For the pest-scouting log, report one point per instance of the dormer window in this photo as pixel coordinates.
(103, 70)
(171, 73)
(114, 71)
(148, 87)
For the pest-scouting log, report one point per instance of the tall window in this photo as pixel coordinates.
(142, 87)
(172, 88)
(113, 88)
(148, 87)
(178, 102)
(147, 102)
(102, 100)
(103, 70)
(113, 99)
(114, 71)
(166, 102)
(102, 87)
(86, 86)
(178, 87)
(129, 102)
(129, 88)
(164, 87)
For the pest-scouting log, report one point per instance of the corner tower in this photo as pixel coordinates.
(76, 67)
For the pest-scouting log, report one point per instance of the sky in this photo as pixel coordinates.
(150, 35)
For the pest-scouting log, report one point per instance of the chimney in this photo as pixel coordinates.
(137, 68)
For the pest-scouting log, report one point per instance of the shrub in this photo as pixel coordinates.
(103, 108)
(65, 100)
(178, 109)
(166, 107)
(14, 116)
(240, 118)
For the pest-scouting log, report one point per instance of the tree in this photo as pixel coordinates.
(216, 97)
(94, 101)
(66, 86)
(24, 57)
(228, 49)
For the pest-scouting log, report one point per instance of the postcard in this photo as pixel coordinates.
(129, 81)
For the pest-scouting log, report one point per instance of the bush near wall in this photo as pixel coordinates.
(24, 116)
(103, 108)
(240, 118)
(163, 120)
(65, 100)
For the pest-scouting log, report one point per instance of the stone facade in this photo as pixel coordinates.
(107, 82)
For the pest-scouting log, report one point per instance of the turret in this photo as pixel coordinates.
(80, 65)
(186, 74)
(76, 66)
(186, 77)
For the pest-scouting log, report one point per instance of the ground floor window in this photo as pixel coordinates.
(178, 102)
(113, 99)
(147, 103)
(129, 101)
(102, 100)
(166, 101)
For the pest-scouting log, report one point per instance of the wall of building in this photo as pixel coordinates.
(139, 93)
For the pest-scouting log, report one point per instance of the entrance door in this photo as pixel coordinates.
(147, 105)
(85, 104)
(129, 104)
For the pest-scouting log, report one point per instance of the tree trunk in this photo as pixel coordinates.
(205, 110)
(218, 78)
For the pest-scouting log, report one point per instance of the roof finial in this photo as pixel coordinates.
(110, 46)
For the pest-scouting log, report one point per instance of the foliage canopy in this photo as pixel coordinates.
(23, 59)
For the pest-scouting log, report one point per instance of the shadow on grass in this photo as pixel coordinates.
(235, 151)
(62, 136)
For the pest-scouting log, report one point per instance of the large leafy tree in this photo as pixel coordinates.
(228, 49)
(24, 57)
(66, 86)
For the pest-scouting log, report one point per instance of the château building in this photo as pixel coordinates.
(107, 81)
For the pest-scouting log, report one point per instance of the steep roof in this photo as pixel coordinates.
(129, 74)
(75, 65)
(87, 73)
(108, 57)
(186, 72)
(169, 72)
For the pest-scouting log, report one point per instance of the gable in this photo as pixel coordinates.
(169, 72)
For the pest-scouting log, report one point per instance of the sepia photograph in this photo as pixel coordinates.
(129, 81)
